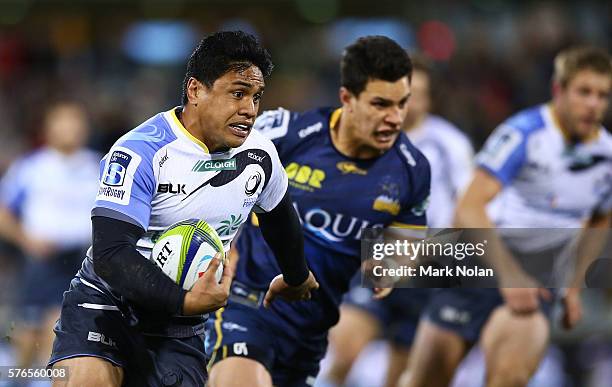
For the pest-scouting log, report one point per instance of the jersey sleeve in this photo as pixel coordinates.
(276, 188)
(127, 185)
(461, 163)
(13, 187)
(605, 205)
(413, 212)
(503, 154)
(275, 125)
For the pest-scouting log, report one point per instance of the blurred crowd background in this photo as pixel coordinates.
(124, 61)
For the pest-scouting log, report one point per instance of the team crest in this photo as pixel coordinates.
(388, 199)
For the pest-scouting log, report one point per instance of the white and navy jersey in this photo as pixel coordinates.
(450, 156)
(159, 174)
(52, 193)
(547, 182)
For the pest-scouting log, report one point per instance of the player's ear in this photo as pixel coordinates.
(194, 89)
(556, 88)
(345, 96)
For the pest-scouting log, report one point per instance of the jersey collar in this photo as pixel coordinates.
(335, 118)
(177, 125)
(555, 123)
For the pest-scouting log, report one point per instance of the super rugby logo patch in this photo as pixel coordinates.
(117, 166)
(119, 171)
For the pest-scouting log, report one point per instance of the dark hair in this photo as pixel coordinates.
(373, 57)
(222, 52)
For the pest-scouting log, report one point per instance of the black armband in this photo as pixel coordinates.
(117, 262)
(282, 231)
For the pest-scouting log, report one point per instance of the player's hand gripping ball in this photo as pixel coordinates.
(185, 250)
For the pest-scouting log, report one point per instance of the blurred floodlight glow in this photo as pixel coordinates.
(346, 31)
(437, 40)
(159, 42)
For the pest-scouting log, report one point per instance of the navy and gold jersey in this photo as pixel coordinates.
(335, 197)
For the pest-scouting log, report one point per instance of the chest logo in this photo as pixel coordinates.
(171, 188)
(350, 167)
(388, 199)
(229, 226)
(214, 165)
(252, 184)
(304, 177)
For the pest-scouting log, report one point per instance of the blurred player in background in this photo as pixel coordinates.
(362, 318)
(123, 321)
(45, 200)
(348, 168)
(546, 167)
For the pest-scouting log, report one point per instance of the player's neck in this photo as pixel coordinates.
(188, 117)
(348, 145)
(564, 126)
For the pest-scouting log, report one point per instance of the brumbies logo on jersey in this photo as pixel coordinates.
(388, 200)
(116, 185)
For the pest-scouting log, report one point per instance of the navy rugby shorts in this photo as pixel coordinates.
(244, 328)
(398, 314)
(92, 325)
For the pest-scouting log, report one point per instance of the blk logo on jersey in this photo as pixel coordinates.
(117, 167)
(171, 188)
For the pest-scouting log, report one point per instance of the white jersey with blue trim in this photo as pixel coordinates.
(51, 193)
(547, 181)
(159, 174)
(450, 156)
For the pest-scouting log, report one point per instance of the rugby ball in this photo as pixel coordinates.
(184, 251)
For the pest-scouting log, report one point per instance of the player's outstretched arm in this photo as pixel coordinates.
(592, 240)
(471, 213)
(117, 262)
(282, 231)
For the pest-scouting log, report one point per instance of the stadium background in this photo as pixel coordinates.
(125, 61)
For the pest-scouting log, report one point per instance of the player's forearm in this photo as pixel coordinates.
(10, 228)
(282, 231)
(117, 262)
(593, 238)
(470, 215)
